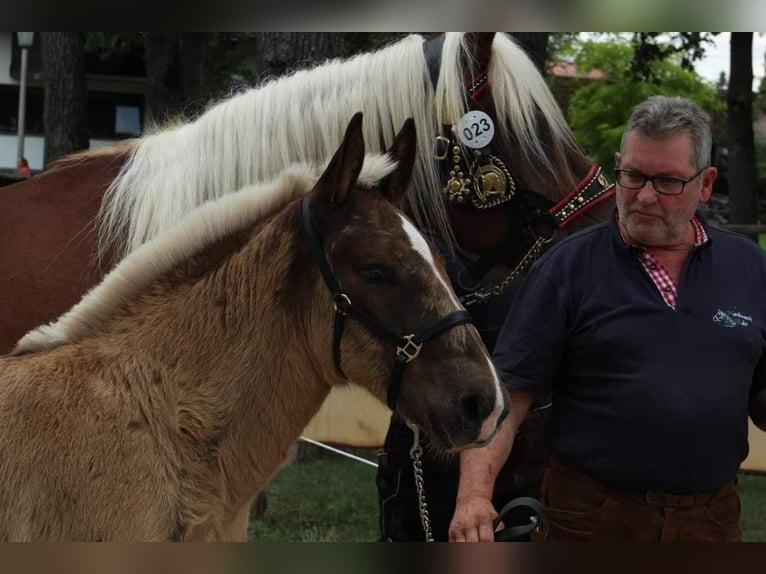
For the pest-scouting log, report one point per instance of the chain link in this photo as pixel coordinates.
(417, 465)
(485, 292)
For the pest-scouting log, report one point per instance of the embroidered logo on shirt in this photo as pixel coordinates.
(731, 318)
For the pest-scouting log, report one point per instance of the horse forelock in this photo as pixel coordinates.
(525, 102)
(200, 228)
(524, 109)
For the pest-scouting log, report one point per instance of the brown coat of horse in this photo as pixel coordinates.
(48, 248)
(160, 405)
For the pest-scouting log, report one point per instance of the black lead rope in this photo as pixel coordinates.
(408, 346)
(534, 512)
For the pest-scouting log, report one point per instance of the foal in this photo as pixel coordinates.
(160, 405)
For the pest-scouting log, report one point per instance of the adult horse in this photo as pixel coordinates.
(160, 405)
(493, 189)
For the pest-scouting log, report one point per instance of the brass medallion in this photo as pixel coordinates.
(492, 184)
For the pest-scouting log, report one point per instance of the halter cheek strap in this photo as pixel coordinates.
(407, 346)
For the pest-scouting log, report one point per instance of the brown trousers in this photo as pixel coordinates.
(580, 508)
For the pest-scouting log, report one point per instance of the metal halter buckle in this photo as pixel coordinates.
(441, 148)
(410, 349)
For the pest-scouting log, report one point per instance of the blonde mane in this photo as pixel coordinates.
(301, 117)
(200, 228)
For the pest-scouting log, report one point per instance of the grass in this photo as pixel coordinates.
(752, 490)
(325, 500)
(335, 500)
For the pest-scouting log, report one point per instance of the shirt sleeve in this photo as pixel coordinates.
(531, 342)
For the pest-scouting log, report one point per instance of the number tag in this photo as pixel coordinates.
(475, 130)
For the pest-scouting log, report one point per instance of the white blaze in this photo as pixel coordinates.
(421, 246)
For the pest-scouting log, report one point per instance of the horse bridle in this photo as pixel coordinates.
(482, 180)
(407, 346)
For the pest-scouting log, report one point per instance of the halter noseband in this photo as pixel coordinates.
(407, 346)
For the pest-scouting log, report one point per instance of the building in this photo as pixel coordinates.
(116, 87)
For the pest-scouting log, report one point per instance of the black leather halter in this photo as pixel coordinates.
(407, 346)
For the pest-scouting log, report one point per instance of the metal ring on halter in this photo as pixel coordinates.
(345, 303)
(545, 239)
(443, 144)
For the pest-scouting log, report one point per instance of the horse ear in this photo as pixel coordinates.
(395, 185)
(340, 176)
(479, 45)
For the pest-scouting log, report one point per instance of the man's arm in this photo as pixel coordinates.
(758, 410)
(479, 467)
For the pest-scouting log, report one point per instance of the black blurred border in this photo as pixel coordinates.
(374, 558)
(382, 558)
(392, 15)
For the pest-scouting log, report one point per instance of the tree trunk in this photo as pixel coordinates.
(176, 74)
(741, 140)
(535, 44)
(194, 48)
(282, 52)
(163, 79)
(285, 51)
(65, 107)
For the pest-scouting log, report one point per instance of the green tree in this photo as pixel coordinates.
(599, 109)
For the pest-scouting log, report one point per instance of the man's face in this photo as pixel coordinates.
(650, 218)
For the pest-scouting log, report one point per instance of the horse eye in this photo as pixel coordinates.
(373, 274)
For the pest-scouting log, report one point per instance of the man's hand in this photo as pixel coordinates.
(472, 521)
(474, 513)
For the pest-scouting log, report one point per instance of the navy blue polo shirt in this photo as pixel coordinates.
(645, 397)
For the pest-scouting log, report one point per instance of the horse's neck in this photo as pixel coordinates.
(228, 337)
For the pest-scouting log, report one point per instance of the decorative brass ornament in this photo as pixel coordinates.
(457, 188)
(492, 184)
(482, 180)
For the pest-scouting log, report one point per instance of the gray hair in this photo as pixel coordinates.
(663, 117)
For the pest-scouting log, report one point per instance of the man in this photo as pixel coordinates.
(650, 331)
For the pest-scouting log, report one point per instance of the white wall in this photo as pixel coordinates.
(33, 151)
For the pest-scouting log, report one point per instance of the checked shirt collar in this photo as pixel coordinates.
(657, 272)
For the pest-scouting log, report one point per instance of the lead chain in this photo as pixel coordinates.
(484, 293)
(417, 465)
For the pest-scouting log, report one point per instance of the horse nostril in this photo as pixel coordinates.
(475, 408)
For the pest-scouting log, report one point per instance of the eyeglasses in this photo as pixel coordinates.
(662, 184)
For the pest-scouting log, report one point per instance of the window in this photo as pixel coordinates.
(127, 120)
